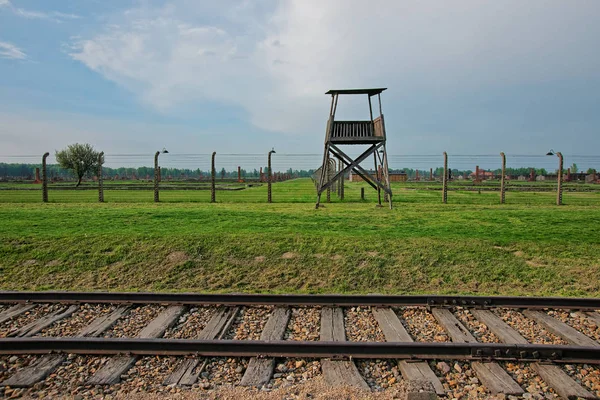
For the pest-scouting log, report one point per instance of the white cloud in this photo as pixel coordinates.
(55, 16)
(276, 63)
(10, 51)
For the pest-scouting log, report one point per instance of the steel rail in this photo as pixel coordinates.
(300, 299)
(282, 348)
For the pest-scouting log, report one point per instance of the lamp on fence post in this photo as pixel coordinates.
(270, 176)
(100, 180)
(559, 175)
(156, 199)
(445, 180)
(502, 179)
(213, 172)
(44, 178)
(157, 173)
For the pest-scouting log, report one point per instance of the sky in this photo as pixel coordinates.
(463, 76)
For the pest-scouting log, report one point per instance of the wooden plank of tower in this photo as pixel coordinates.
(553, 375)
(111, 372)
(187, 373)
(394, 331)
(337, 372)
(260, 370)
(491, 374)
(43, 366)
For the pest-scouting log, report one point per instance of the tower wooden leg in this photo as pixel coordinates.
(322, 177)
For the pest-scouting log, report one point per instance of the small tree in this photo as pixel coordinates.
(82, 159)
(574, 168)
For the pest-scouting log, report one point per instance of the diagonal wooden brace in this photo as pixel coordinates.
(341, 156)
(354, 166)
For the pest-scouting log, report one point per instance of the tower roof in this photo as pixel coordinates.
(370, 92)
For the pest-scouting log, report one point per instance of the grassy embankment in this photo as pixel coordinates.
(474, 245)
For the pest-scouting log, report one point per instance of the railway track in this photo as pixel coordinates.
(457, 346)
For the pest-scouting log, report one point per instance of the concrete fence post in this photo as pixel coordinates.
(327, 174)
(269, 179)
(445, 180)
(213, 173)
(100, 180)
(341, 181)
(156, 177)
(430, 174)
(559, 177)
(503, 180)
(44, 178)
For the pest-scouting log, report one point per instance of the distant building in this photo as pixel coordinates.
(394, 177)
(482, 175)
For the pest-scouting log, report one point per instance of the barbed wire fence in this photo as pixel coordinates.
(244, 178)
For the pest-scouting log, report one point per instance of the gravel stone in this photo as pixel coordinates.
(578, 321)
(147, 375)
(191, 323)
(460, 381)
(421, 325)
(316, 389)
(528, 328)
(130, 324)
(37, 312)
(223, 371)
(380, 375)
(304, 324)
(292, 371)
(249, 323)
(71, 326)
(586, 375)
(477, 329)
(530, 381)
(361, 325)
(10, 364)
(69, 379)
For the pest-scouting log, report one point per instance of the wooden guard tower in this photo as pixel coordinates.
(370, 133)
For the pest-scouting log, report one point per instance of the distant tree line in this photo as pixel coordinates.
(27, 172)
(439, 171)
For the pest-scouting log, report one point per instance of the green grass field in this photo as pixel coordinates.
(241, 244)
(303, 191)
